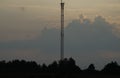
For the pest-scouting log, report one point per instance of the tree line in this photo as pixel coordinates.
(62, 66)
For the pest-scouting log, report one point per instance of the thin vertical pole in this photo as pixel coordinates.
(62, 30)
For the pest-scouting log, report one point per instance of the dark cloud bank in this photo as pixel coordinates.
(87, 42)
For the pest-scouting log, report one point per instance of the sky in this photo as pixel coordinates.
(29, 29)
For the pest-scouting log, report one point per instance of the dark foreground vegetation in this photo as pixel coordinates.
(66, 68)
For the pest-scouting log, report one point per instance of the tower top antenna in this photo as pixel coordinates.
(61, 1)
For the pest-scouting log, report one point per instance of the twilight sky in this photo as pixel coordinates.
(29, 29)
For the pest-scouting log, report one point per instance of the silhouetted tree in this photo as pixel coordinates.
(68, 66)
(53, 68)
(73, 67)
(64, 68)
(44, 69)
(112, 67)
(2, 66)
(90, 69)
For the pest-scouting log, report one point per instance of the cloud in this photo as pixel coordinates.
(85, 41)
(97, 35)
